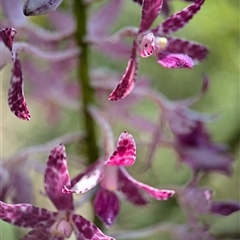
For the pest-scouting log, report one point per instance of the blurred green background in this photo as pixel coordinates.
(216, 26)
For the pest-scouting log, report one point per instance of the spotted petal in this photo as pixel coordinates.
(86, 180)
(37, 7)
(106, 206)
(7, 35)
(130, 190)
(86, 230)
(179, 20)
(125, 154)
(127, 82)
(159, 194)
(16, 99)
(194, 50)
(56, 176)
(175, 60)
(150, 11)
(26, 215)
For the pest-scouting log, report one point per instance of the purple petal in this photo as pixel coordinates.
(101, 21)
(56, 176)
(194, 50)
(130, 190)
(179, 20)
(159, 194)
(7, 35)
(175, 60)
(125, 154)
(150, 11)
(225, 208)
(40, 234)
(37, 7)
(86, 180)
(26, 215)
(86, 230)
(127, 82)
(16, 100)
(107, 206)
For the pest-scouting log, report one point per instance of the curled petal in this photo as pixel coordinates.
(159, 194)
(26, 215)
(150, 11)
(107, 206)
(37, 7)
(179, 20)
(194, 50)
(16, 99)
(56, 176)
(225, 208)
(175, 60)
(86, 180)
(86, 230)
(127, 82)
(125, 154)
(7, 35)
(130, 190)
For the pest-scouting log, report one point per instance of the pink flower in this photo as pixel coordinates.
(170, 52)
(114, 178)
(54, 225)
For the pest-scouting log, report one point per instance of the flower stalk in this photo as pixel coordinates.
(87, 93)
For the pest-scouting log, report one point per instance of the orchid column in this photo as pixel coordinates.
(80, 10)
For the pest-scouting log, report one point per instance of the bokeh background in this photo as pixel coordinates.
(216, 26)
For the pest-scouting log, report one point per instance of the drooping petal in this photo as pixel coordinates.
(56, 176)
(37, 7)
(159, 194)
(7, 35)
(125, 154)
(86, 230)
(86, 180)
(26, 215)
(40, 234)
(16, 99)
(127, 82)
(130, 190)
(150, 11)
(106, 206)
(170, 60)
(103, 18)
(179, 20)
(225, 208)
(194, 50)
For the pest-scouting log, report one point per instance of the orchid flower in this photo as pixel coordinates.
(198, 151)
(55, 225)
(113, 177)
(171, 52)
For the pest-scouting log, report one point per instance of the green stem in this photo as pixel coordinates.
(87, 93)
